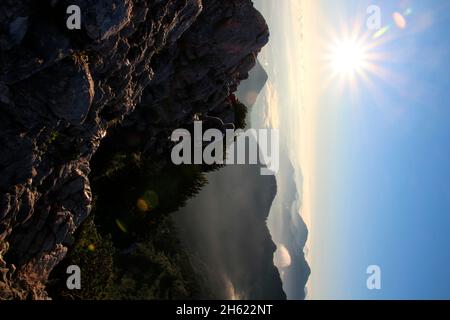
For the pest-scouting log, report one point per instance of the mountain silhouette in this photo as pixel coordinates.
(250, 89)
(229, 235)
(290, 231)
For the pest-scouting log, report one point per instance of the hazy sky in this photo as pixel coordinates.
(369, 142)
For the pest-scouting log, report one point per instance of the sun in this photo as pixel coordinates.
(354, 60)
(348, 57)
(351, 60)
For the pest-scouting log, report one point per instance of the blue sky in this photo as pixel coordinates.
(373, 160)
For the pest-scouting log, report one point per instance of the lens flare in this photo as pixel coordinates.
(399, 20)
(381, 32)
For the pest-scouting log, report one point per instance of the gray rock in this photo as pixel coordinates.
(140, 67)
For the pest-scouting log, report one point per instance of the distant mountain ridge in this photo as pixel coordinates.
(290, 232)
(250, 88)
(230, 236)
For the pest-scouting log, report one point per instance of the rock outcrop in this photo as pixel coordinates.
(138, 66)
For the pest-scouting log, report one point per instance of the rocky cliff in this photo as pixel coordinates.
(136, 68)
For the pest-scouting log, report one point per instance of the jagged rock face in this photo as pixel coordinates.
(204, 68)
(146, 66)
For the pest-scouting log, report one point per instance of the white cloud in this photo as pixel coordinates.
(282, 257)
